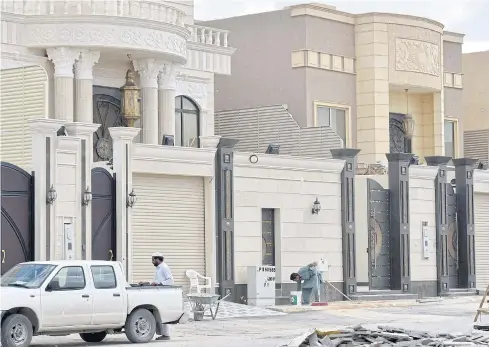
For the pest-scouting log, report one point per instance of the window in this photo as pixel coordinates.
(69, 278)
(187, 122)
(103, 277)
(450, 138)
(333, 117)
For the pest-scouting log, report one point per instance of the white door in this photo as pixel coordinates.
(168, 218)
(67, 301)
(108, 300)
(481, 219)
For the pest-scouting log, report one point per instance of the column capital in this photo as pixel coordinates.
(84, 65)
(209, 141)
(437, 160)
(464, 162)
(399, 157)
(344, 153)
(63, 59)
(46, 126)
(81, 129)
(123, 133)
(167, 77)
(148, 70)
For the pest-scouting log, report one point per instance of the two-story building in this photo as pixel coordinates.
(310, 77)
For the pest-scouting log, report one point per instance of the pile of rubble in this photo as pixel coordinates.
(387, 336)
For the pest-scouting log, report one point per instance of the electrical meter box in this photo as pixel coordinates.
(261, 286)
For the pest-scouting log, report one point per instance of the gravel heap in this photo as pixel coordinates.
(387, 336)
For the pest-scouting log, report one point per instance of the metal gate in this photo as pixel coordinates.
(268, 236)
(378, 235)
(103, 215)
(17, 216)
(452, 242)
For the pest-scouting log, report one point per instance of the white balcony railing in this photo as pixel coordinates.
(142, 9)
(210, 36)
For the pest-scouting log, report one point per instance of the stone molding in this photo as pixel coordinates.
(45, 126)
(172, 45)
(417, 56)
(84, 65)
(211, 141)
(167, 77)
(123, 133)
(148, 70)
(453, 80)
(324, 61)
(288, 163)
(81, 129)
(63, 59)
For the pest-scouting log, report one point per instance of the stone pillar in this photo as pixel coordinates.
(122, 138)
(225, 217)
(348, 216)
(43, 164)
(85, 131)
(441, 221)
(439, 122)
(84, 85)
(399, 221)
(167, 85)
(148, 72)
(464, 178)
(63, 59)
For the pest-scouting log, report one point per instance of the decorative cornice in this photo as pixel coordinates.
(148, 70)
(202, 47)
(450, 36)
(167, 78)
(63, 59)
(80, 129)
(123, 133)
(11, 60)
(423, 172)
(84, 65)
(46, 126)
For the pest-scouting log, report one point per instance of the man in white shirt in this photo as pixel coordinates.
(163, 277)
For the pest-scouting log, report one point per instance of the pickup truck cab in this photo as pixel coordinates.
(90, 298)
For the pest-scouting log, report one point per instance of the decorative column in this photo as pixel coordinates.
(348, 216)
(441, 221)
(43, 164)
(399, 221)
(148, 70)
(63, 59)
(225, 217)
(84, 85)
(122, 138)
(85, 131)
(464, 178)
(167, 85)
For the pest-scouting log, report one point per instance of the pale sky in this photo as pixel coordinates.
(470, 17)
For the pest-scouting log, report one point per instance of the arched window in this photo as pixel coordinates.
(187, 122)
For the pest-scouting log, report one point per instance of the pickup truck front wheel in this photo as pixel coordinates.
(16, 331)
(140, 326)
(93, 337)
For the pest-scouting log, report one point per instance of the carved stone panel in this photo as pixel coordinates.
(417, 56)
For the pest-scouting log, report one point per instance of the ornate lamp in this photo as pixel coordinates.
(87, 197)
(131, 96)
(316, 207)
(51, 195)
(131, 199)
(408, 121)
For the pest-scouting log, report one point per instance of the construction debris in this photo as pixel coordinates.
(386, 336)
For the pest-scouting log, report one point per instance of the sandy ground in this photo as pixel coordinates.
(451, 315)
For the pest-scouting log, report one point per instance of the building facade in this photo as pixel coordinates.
(476, 105)
(344, 72)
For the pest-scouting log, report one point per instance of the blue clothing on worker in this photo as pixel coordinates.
(310, 277)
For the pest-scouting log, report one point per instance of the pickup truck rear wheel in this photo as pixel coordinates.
(16, 331)
(140, 326)
(93, 337)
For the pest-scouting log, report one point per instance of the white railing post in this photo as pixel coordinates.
(218, 38)
(226, 39)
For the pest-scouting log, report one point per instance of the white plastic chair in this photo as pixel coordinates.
(194, 278)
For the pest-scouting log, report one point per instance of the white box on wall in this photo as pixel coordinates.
(261, 285)
(426, 240)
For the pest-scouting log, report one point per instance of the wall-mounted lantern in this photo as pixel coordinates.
(408, 121)
(87, 197)
(131, 199)
(51, 195)
(131, 96)
(316, 207)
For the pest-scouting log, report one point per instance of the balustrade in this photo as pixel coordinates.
(143, 9)
(210, 36)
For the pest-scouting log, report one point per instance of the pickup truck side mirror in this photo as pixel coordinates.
(53, 286)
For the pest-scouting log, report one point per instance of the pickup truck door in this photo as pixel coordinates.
(109, 304)
(67, 300)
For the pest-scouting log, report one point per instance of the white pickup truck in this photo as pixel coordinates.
(90, 298)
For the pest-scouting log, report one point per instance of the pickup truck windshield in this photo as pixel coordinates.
(27, 275)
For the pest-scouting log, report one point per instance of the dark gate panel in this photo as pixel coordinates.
(268, 236)
(452, 243)
(17, 216)
(103, 215)
(379, 245)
